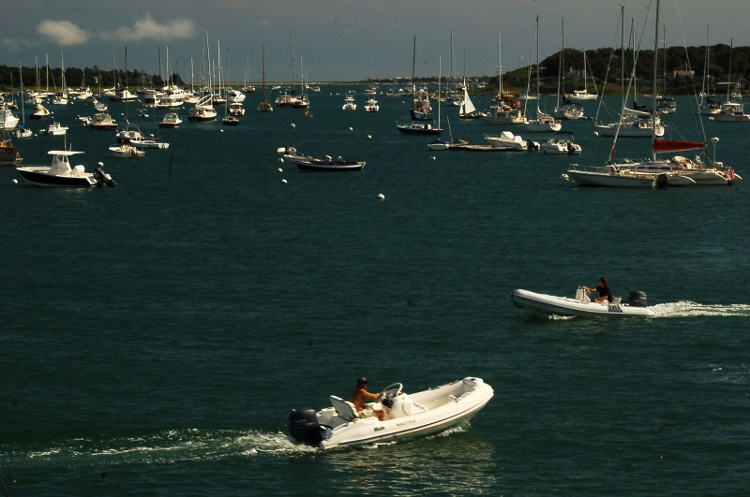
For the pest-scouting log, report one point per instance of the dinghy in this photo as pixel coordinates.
(582, 305)
(405, 415)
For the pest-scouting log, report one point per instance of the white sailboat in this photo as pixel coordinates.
(566, 109)
(544, 123)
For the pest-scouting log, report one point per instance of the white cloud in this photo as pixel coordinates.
(147, 28)
(64, 33)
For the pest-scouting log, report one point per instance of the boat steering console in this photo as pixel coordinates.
(390, 393)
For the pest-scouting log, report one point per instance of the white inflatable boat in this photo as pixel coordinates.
(581, 305)
(405, 415)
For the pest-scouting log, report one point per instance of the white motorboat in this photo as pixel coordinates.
(349, 103)
(732, 112)
(405, 415)
(563, 143)
(7, 119)
(149, 143)
(170, 120)
(55, 129)
(372, 105)
(127, 151)
(540, 303)
(509, 141)
(103, 121)
(60, 174)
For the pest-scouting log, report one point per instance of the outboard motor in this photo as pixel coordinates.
(103, 178)
(304, 426)
(637, 299)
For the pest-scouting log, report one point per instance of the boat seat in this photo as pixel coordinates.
(616, 300)
(344, 408)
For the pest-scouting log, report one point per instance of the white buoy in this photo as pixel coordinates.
(15, 181)
(596, 133)
(281, 159)
(369, 137)
(294, 125)
(351, 129)
(433, 158)
(221, 130)
(283, 181)
(280, 170)
(381, 196)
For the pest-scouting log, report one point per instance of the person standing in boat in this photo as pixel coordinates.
(358, 397)
(603, 288)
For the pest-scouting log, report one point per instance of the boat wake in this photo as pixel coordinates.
(166, 447)
(686, 308)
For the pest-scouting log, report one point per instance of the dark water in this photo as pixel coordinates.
(156, 335)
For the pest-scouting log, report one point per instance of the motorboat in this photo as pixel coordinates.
(372, 105)
(328, 164)
(7, 119)
(732, 112)
(508, 141)
(405, 415)
(61, 174)
(126, 151)
(9, 153)
(230, 120)
(236, 109)
(55, 129)
(129, 133)
(419, 128)
(103, 121)
(349, 103)
(581, 305)
(170, 120)
(563, 143)
(40, 112)
(149, 143)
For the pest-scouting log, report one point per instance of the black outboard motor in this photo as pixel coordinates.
(103, 178)
(304, 426)
(637, 299)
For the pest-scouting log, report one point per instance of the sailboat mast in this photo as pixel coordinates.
(654, 82)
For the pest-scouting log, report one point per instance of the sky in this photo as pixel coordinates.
(343, 40)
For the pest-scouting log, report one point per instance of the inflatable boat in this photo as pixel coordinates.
(581, 305)
(405, 415)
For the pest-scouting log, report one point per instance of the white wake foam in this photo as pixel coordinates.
(687, 308)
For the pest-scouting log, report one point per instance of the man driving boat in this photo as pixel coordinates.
(358, 397)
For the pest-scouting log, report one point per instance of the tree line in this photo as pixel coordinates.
(602, 64)
(76, 77)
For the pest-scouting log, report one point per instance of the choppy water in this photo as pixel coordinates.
(156, 335)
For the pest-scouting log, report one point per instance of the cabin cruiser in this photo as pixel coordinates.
(581, 305)
(404, 415)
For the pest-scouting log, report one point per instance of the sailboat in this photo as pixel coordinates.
(421, 110)
(664, 104)
(204, 109)
(439, 144)
(631, 123)
(583, 95)
(22, 131)
(265, 104)
(544, 123)
(709, 107)
(567, 109)
(506, 110)
(655, 172)
(731, 112)
(61, 97)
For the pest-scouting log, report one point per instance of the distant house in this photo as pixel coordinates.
(684, 72)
